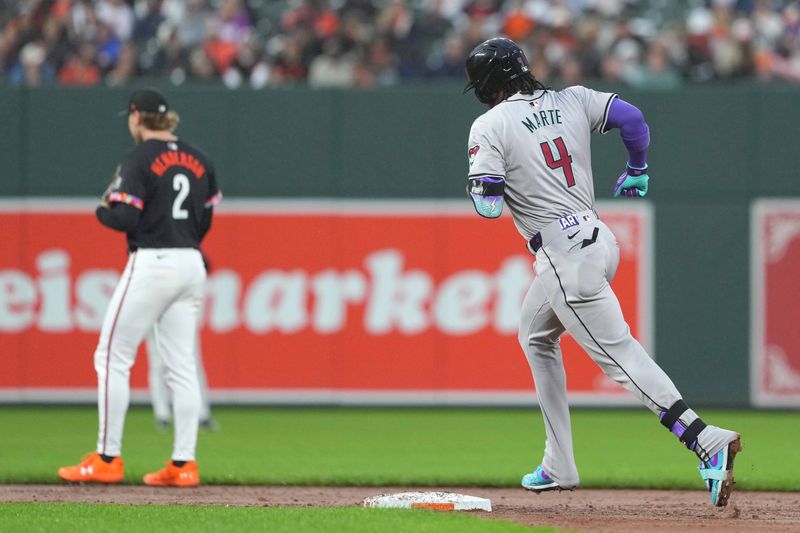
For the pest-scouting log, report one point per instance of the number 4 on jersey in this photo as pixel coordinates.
(564, 161)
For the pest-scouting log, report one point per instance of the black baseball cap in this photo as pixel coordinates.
(148, 101)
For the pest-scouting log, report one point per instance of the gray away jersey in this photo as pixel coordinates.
(539, 144)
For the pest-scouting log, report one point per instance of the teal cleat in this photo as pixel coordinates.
(718, 473)
(539, 481)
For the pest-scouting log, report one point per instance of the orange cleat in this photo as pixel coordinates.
(92, 469)
(174, 476)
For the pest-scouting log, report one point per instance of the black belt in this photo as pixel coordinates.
(535, 243)
(559, 225)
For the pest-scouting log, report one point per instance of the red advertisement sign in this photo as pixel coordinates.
(774, 313)
(408, 302)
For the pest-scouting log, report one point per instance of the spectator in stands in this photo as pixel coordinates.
(118, 15)
(125, 67)
(378, 67)
(193, 25)
(449, 62)
(249, 66)
(368, 43)
(148, 24)
(32, 70)
(333, 68)
(657, 73)
(289, 65)
(80, 68)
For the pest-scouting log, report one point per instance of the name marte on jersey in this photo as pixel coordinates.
(542, 118)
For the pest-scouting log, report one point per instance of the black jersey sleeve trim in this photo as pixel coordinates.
(603, 126)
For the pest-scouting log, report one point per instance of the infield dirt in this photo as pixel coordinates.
(582, 510)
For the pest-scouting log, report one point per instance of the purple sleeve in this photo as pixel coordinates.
(633, 130)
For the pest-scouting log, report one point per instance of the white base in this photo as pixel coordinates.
(439, 501)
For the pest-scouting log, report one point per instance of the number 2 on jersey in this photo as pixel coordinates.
(180, 183)
(564, 161)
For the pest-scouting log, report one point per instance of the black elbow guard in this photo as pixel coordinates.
(487, 195)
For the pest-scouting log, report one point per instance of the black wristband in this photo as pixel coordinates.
(636, 172)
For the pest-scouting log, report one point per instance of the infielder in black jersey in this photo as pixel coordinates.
(162, 196)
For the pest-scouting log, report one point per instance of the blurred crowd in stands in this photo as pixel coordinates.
(368, 43)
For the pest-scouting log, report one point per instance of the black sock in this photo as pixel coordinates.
(106, 458)
(684, 424)
(179, 464)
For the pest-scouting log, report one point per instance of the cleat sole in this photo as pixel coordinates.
(549, 488)
(727, 485)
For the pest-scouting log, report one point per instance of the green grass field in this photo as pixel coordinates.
(442, 447)
(165, 519)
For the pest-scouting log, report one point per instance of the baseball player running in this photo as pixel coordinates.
(531, 151)
(162, 197)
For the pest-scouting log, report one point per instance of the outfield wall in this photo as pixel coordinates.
(715, 151)
(313, 302)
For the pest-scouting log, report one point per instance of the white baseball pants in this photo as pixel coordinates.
(163, 287)
(157, 378)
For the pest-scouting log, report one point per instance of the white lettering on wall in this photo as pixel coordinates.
(17, 300)
(397, 298)
(94, 289)
(276, 301)
(513, 280)
(223, 290)
(333, 292)
(461, 304)
(54, 289)
(391, 298)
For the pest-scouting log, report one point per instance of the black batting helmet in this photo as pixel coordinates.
(491, 65)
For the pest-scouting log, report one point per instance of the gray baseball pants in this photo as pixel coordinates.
(571, 291)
